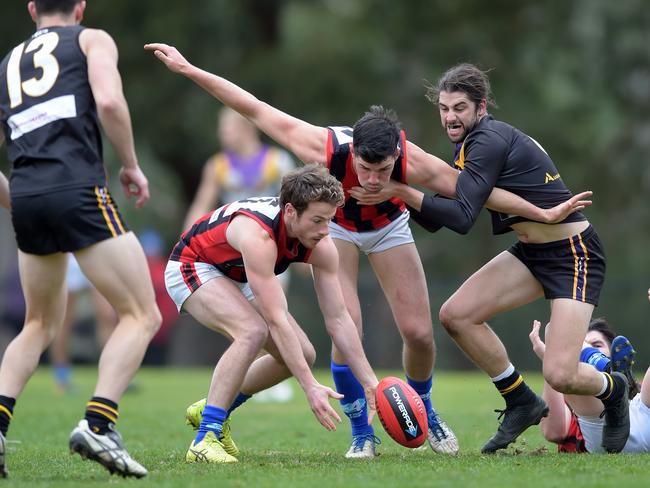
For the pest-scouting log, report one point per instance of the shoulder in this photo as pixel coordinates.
(324, 256)
(91, 38)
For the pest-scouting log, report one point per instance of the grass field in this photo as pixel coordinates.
(283, 445)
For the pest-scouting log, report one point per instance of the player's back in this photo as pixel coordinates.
(49, 115)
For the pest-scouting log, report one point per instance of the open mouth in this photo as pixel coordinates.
(454, 130)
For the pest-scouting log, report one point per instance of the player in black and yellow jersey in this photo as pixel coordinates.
(563, 262)
(55, 90)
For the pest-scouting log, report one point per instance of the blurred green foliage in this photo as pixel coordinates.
(573, 75)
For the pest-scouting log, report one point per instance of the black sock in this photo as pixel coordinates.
(514, 390)
(99, 413)
(7, 405)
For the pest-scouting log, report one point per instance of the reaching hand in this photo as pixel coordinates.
(371, 401)
(318, 397)
(134, 183)
(563, 210)
(168, 55)
(365, 197)
(538, 345)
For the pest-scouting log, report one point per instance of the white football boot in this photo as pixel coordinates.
(363, 447)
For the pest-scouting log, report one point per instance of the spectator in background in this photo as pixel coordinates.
(245, 167)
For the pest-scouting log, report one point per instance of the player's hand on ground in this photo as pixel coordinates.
(538, 345)
(564, 209)
(366, 197)
(318, 397)
(135, 184)
(169, 55)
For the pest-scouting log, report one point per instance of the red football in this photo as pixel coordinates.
(401, 412)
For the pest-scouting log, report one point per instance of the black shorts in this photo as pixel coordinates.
(66, 220)
(571, 268)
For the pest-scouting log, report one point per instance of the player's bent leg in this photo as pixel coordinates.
(500, 285)
(400, 273)
(118, 269)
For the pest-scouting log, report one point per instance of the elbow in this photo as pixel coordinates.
(462, 226)
(108, 105)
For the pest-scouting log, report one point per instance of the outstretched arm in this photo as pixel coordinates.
(428, 171)
(259, 253)
(308, 142)
(340, 327)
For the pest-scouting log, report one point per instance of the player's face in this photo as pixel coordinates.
(312, 225)
(597, 340)
(374, 176)
(458, 114)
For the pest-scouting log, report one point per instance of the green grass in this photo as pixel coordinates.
(283, 445)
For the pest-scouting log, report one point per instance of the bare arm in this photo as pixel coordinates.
(308, 142)
(205, 198)
(112, 109)
(340, 327)
(259, 253)
(433, 173)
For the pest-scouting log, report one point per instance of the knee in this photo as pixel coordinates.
(418, 336)
(254, 337)
(41, 331)
(452, 318)
(559, 378)
(151, 320)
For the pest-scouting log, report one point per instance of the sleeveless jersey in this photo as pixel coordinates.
(351, 216)
(206, 241)
(48, 114)
(574, 441)
(261, 174)
(497, 154)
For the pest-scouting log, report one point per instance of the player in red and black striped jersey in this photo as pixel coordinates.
(55, 88)
(367, 155)
(206, 240)
(224, 271)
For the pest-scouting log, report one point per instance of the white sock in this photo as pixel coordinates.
(509, 370)
(605, 384)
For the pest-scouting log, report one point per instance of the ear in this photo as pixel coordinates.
(289, 210)
(396, 153)
(31, 8)
(79, 10)
(482, 107)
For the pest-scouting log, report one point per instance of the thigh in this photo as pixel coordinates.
(504, 283)
(348, 275)
(220, 305)
(565, 333)
(118, 268)
(43, 283)
(401, 276)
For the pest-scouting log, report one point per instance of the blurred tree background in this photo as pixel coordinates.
(573, 75)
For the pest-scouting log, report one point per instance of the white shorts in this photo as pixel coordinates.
(397, 233)
(639, 440)
(183, 280)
